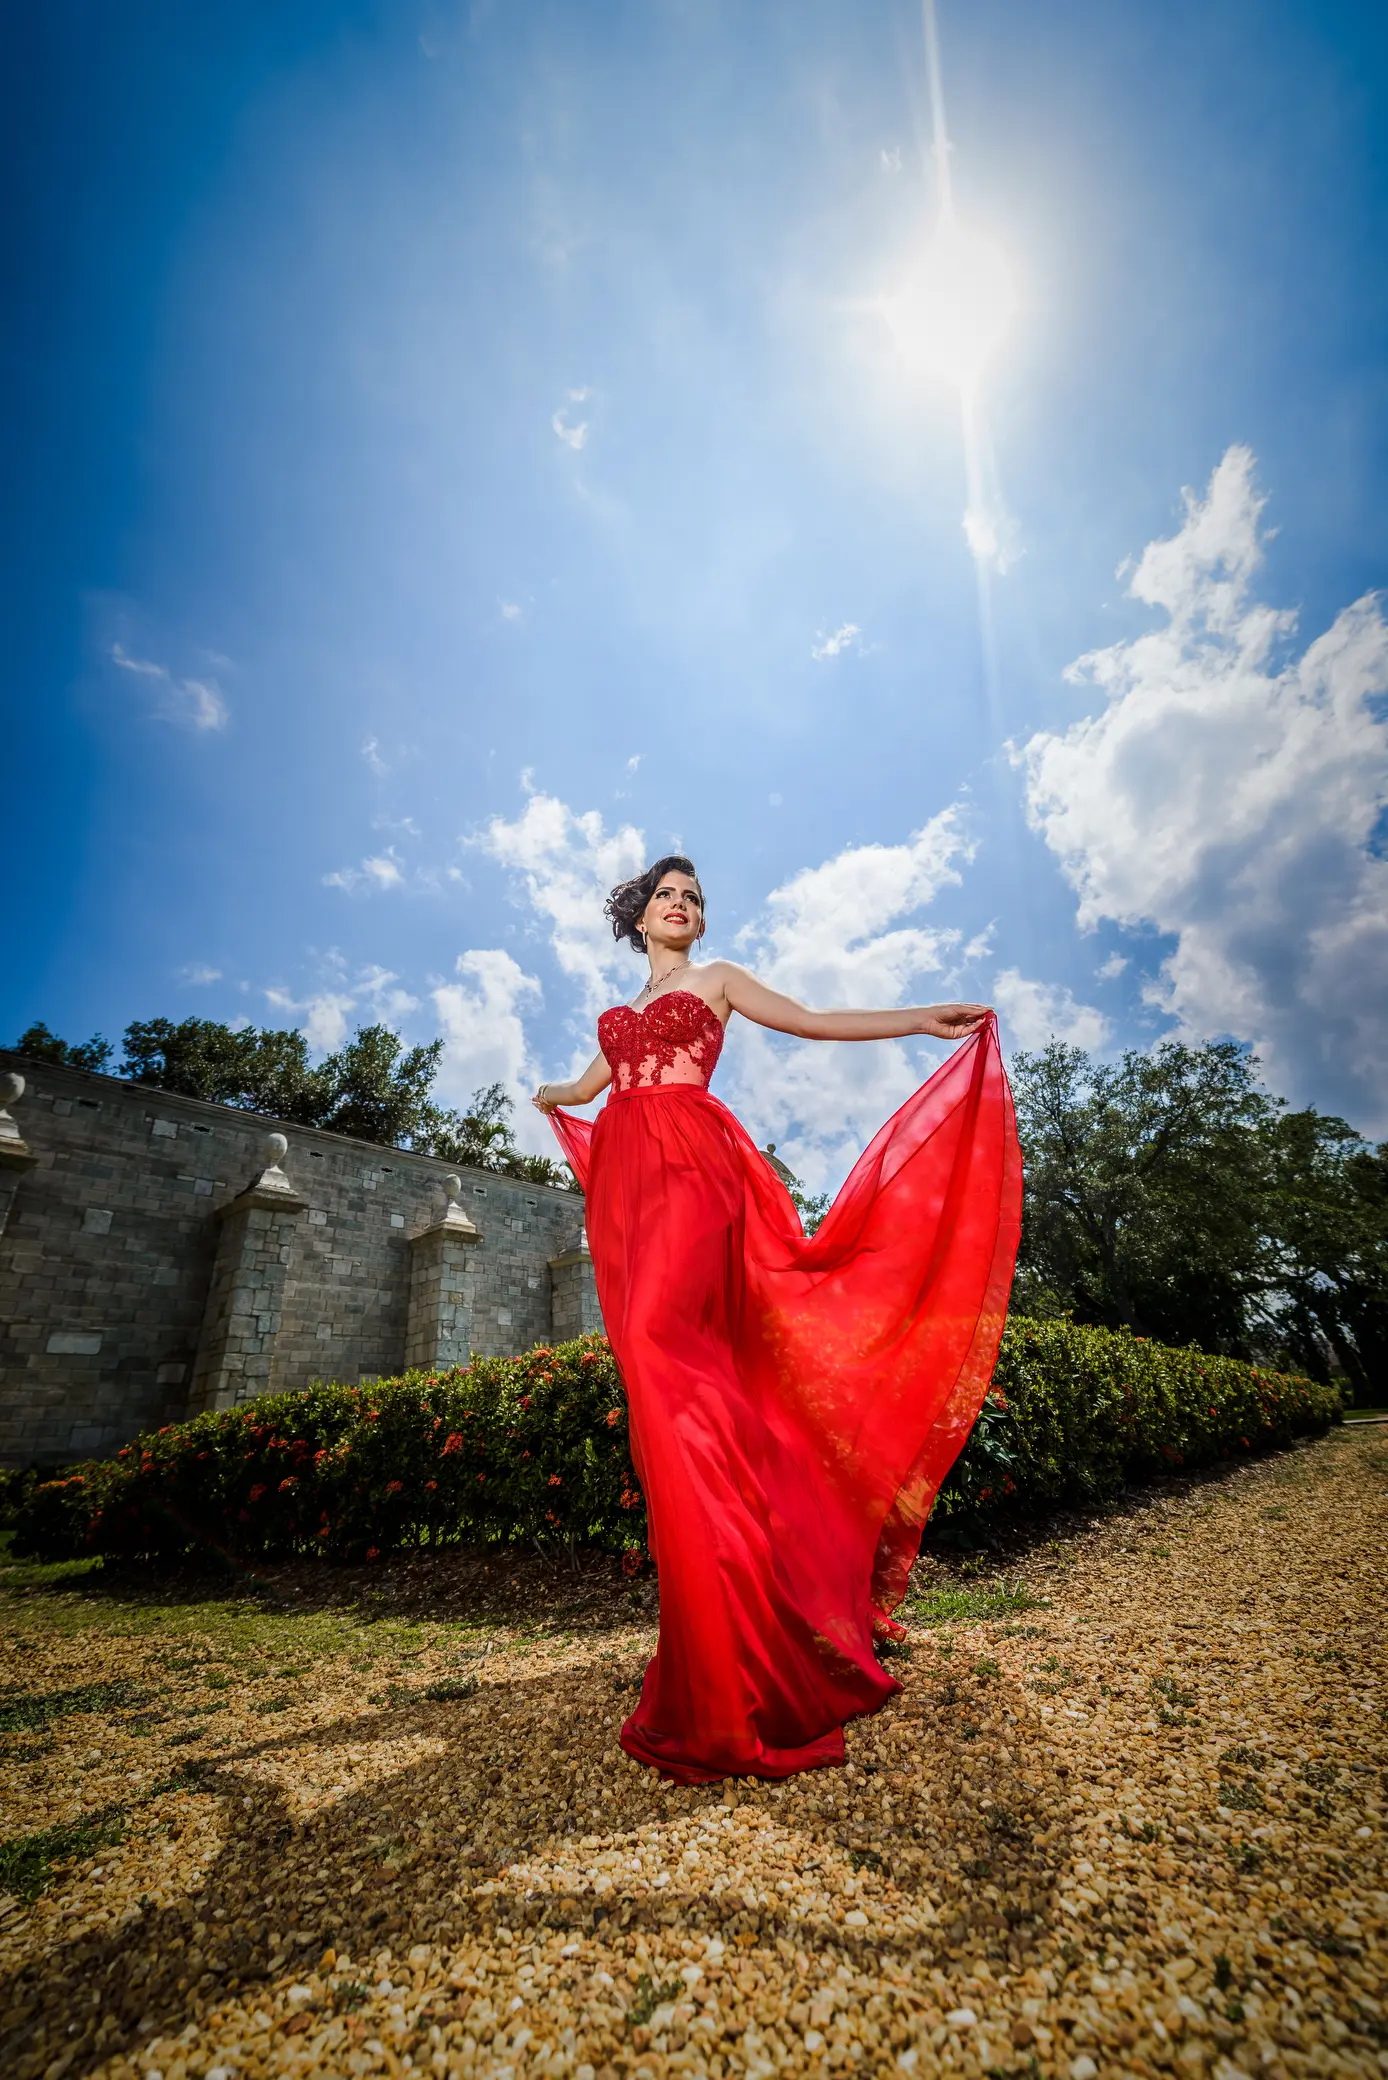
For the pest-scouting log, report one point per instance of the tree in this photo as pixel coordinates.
(483, 1139)
(1327, 1215)
(42, 1046)
(1144, 1187)
(374, 1088)
(261, 1069)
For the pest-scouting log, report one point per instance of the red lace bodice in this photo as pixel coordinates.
(676, 1031)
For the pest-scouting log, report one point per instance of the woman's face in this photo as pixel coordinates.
(674, 917)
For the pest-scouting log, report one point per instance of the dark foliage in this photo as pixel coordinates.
(1170, 1194)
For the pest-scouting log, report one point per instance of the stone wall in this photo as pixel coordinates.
(159, 1255)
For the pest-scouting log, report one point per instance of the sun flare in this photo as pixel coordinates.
(953, 310)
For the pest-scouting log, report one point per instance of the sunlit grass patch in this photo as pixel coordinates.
(968, 1606)
(27, 1862)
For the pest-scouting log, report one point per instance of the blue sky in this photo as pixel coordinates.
(447, 446)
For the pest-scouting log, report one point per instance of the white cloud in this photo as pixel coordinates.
(891, 160)
(849, 637)
(835, 935)
(198, 972)
(372, 997)
(1235, 803)
(568, 864)
(482, 1019)
(325, 1020)
(634, 761)
(1031, 1013)
(574, 437)
(193, 703)
(1112, 968)
(382, 870)
(510, 609)
(371, 752)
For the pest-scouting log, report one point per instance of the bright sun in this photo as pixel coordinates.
(952, 311)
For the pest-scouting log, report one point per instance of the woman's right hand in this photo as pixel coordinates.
(544, 1099)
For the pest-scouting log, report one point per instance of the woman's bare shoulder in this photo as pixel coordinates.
(715, 977)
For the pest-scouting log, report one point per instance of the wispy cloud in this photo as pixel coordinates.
(195, 704)
(573, 432)
(1234, 802)
(849, 637)
(510, 609)
(198, 973)
(371, 752)
(326, 1016)
(382, 870)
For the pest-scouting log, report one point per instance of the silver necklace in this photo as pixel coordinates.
(652, 991)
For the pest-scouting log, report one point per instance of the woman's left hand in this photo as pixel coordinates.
(954, 1021)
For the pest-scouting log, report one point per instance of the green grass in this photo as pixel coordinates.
(969, 1606)
(27, 1711)
(26, 1863)
(74, 1597)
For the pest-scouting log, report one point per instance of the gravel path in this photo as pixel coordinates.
(1132, 1822)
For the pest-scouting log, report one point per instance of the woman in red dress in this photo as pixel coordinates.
(795, 1402)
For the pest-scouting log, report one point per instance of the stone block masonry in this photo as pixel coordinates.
(160, 1255)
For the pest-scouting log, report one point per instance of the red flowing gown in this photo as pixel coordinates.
(794, 1402)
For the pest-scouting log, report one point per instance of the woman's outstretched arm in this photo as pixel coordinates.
(581, 1091)
(767, 1007)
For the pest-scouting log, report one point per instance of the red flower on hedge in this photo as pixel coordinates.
(373, 1552)
(524, 1401)
(452, 1443)
(632, 1562)
(556, 1480)
(288, 1486)
(394, 1487)
(256, 1492)
(614, 1416)
(431, 1486)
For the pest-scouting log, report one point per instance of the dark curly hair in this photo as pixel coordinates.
(627, 903)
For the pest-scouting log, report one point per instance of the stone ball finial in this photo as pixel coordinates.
(11, 1087)
(452, 1188)
(275, 1148)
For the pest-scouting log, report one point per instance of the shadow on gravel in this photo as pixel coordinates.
(503, 1586)
(952, 1793)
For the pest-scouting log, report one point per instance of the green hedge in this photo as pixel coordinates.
(1075, 1415)
(512, 1448)
(536, 1447)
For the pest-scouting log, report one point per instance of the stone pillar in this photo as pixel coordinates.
(441, 1288)
(15, 1156)
(573, 1293)
(245, 1300)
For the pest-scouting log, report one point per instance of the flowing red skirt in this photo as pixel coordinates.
(794, 1404)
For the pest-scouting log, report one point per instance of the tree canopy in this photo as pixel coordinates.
(1168, 1192)
(374, 1088)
